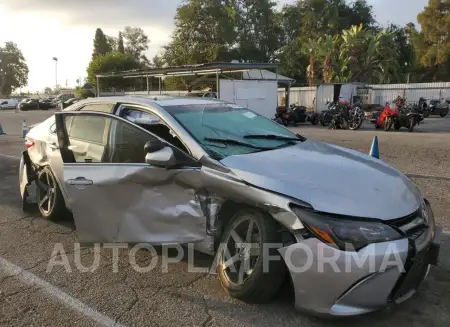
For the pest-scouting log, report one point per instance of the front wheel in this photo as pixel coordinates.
(412, 123)
(443, 114)
(426, 113)
(243, 265)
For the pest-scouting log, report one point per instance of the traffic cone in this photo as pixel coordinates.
(1, 130)
(25, 129)
(374, 148)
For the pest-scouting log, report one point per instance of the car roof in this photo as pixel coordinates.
(160, 100)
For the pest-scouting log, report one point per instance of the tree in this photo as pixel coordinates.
(157, 61)
(13, 69)
(435, 23)
(84, 93)
(310, 20)
(113, 43)
(48, 91)
(205, 31)
(120, 46)
(108, 63)
(432, 43)
(101, 46)
(259, 30)
(136, 43)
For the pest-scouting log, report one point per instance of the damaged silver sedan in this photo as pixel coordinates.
(270, 203)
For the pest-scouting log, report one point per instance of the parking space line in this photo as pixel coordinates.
(64, 298)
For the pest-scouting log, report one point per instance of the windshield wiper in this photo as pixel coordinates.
(237, 142)
(274, 137)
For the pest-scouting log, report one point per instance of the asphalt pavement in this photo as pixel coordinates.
(32, 294)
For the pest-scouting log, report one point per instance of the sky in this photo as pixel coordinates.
(44, 29)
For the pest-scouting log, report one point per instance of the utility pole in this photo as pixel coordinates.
(56, 72)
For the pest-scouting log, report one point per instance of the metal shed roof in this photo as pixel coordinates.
(199, 69)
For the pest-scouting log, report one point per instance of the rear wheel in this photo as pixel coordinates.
(412, 123)
(397, 125)
(242, 261)
(443, 114)
(426, 113)
(49, 198)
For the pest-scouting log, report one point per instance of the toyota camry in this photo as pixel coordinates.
(350, 232)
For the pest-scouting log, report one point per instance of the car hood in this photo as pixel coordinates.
(332, 179)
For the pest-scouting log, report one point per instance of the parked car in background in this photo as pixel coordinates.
(8, 104)
(68, 103)
(29, 104)
(46, 104)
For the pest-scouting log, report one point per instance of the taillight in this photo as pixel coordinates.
(29, 143)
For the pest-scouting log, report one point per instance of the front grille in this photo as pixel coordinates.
(412, 225)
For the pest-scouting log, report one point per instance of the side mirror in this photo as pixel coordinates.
(161, 158)
(158, 154)
(153, 146)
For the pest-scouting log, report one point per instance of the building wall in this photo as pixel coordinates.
(381, 93)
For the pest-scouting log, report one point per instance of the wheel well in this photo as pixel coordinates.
(230, 208)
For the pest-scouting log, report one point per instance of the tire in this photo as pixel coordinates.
(412, 123)
(397, 125)
(443, 114)
(279, 121)
(54, 208)
(426, 113)
(259, 286)
(387, 124)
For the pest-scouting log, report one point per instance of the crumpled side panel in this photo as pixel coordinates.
(137, 204)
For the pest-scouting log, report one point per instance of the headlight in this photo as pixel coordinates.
(345, 233)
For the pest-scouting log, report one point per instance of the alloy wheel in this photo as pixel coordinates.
(241, 251)
(47, 192)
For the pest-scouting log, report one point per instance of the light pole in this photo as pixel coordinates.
(56, 72)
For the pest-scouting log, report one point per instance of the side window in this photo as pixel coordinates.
(100, 139)
(154, 125)
(100, 107)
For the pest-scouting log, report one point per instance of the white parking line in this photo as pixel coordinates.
(64, 298)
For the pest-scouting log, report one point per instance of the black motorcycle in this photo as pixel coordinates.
(353, 116)
(326, 116)
(436, 108)
(339, 115)
(295, 115)
(409, 116)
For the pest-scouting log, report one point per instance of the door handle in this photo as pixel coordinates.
(80, 181)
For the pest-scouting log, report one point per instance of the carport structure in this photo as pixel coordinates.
(208, 72)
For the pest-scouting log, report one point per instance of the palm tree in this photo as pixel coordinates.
(369, 57)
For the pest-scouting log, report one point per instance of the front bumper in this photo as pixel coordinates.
(338, 283)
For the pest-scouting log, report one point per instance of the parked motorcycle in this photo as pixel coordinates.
(437, 107)
(352, 117)
(408, 116)
(356, 117)
(339, 116)
(387, 117)
(294, 115)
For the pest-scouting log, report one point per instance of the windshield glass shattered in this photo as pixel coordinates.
(224, 129)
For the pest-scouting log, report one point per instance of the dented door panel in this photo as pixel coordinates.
(135, 203)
